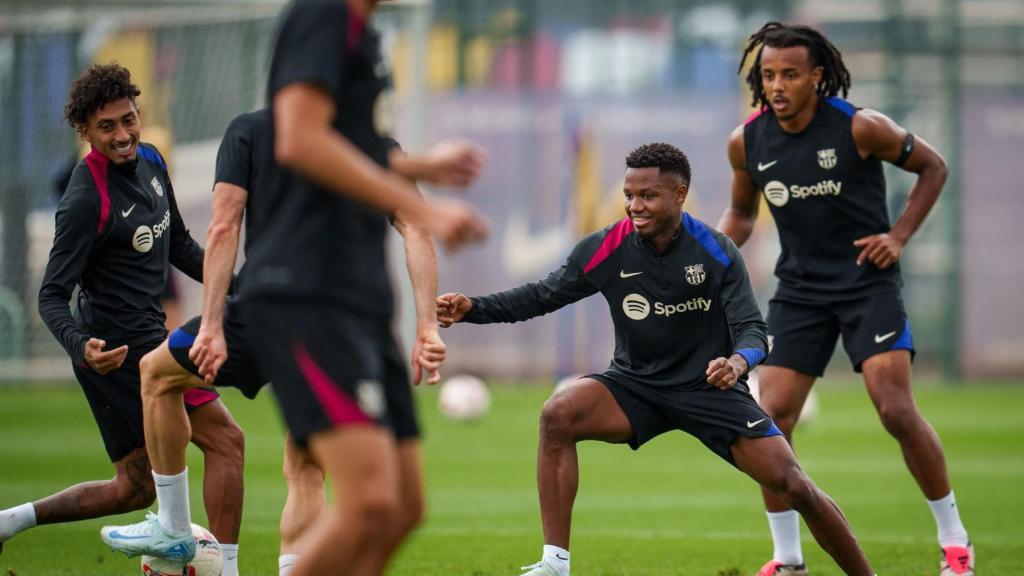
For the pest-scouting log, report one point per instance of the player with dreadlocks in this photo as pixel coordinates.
(818, 160)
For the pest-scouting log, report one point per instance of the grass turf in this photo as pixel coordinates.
(671, 508)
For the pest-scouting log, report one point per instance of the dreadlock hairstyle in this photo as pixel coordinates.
(835, 79)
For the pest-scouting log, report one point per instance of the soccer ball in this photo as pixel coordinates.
(464, 398)
(208, 560)
(807, 414)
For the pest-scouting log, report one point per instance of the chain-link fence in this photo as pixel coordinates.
(559, 91)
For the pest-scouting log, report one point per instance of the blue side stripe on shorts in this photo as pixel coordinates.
(180, 339)
(905, 341)
(773, 431)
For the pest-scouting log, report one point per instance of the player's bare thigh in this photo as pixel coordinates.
(587, 411)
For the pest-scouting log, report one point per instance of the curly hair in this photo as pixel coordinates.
(835, 78)
(665, 157)
(98, 86)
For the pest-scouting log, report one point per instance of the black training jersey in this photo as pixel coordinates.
(245, 158)
(315, 242)
(673, 312)
(823, 196)
(117, 229)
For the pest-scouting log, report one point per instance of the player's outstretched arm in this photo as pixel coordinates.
(307, 142)
(737, 221)
(877, 135)
(453, 162)
(210, 351)
(429, 350)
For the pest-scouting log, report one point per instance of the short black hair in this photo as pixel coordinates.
(98, 86)
(835, 78)
(665, 157)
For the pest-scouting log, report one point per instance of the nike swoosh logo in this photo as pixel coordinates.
(559, 556)
(879, 338)
(752, 424)
(125, 213)
(119, 536)
(624, 274)
(763, 167)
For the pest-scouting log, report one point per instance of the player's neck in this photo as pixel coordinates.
(361, 7)
(802, 119)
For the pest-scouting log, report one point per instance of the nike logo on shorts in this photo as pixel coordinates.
(879, 338)
(752, 424)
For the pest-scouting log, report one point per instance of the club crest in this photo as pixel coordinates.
(695, 274)
(156, 186)
(827, 158)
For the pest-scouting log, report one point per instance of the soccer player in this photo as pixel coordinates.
(117, 230)
(687, 331)
(818, 160)
(212, 346)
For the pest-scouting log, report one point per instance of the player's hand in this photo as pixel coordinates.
(209, 352)
(428, 353)
(452, 307)
(454, 162)
(723, 373)
(882, 250)
(104, 361)
(455, 223)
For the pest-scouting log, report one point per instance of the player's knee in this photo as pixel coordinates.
(371, 509)
(556, 418)
(796, 489)
(898, 419)
(134, 493)
(154, 382)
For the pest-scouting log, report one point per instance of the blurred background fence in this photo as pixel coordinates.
(559, 92)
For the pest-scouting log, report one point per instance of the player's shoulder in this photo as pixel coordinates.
(597, 246)
(718, 245)
(84, 184)
(247, 124)
(315, 12)
(149, 153)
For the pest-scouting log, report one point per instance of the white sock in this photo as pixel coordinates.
(17, 519)
(285, 563)
(557, 558)
(230, 552)
(785, 528)
(947, 519)
(172, 502)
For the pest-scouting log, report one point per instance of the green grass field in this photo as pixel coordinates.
(671, 508)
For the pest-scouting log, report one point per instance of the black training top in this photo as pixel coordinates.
(673, 312)
(823, 196)
(117, 229)
(245, 159)
(315, 242)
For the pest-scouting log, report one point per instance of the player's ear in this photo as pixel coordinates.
(816, 74)
(681, 191)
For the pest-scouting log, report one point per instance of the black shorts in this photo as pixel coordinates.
(116, 401)
(715, 417)
(240, 370)
(330, 367)
(802, 336)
